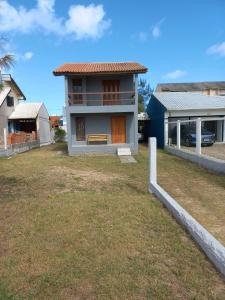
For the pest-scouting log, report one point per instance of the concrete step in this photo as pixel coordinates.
(123, 151)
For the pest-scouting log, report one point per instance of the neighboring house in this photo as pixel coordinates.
(211, 88)
(31, 117)
(31, 120)
(55, 121)
(167, 106)
(10, 96)
(101, 106)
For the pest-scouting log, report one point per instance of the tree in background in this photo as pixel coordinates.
(144, 93)
(6, 61)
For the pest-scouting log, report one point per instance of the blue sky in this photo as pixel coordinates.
(177, 40)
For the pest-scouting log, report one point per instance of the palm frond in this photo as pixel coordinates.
(7, 61)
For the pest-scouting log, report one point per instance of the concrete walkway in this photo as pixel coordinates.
(126, 159)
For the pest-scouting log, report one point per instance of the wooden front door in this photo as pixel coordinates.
(80, 128)
(111, 90)
(118, 128)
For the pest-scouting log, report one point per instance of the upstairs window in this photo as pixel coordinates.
(10, 101)
(77, 97)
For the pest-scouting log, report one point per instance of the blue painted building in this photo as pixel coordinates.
(166, 107)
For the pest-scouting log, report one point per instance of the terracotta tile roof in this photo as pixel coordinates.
(93, 68)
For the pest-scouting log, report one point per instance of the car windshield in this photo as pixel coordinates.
(191, 129)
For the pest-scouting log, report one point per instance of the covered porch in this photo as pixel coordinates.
(22, 130)
(102, 132)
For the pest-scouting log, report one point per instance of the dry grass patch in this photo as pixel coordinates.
(200, 192)
(113, 241)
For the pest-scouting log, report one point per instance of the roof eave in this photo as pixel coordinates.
(18, 89)
(56, 73)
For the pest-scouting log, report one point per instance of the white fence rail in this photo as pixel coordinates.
(198, 131)
(213, 249)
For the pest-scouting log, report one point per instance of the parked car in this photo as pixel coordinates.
(188, 136)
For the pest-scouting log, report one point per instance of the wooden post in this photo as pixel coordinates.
(152, 161)
(5, 139)
(198, 136)
(178, 134)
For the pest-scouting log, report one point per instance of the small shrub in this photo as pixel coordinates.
(59, 135)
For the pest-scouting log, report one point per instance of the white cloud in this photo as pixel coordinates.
(156, 29)
(156, 32)
(46, 5)
(143, 36)
(23, 20)
(28, 55)
(82, 22)
(218, 49)
(23, 56)
(175, 74)
(87, 21)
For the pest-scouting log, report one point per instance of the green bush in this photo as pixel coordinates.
(59, 135)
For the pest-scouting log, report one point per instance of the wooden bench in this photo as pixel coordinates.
(97, 138)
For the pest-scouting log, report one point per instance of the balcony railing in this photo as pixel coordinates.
(102, 98)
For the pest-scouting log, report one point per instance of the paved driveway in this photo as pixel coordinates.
(217, 150)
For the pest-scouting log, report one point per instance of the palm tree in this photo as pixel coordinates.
(6, 61)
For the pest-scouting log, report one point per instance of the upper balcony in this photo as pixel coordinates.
(102, 93)
(101, 98)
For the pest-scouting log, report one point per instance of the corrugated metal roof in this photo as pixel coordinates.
(189, 101)
(190, 86)
(4, 93)
(26, 111)
(93, 68)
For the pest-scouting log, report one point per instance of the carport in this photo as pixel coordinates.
(166, 108)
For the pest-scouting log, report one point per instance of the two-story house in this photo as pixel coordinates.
(10, 96)
(101, 105)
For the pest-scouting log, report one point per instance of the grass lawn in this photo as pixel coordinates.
(200, 192)
(86, 228)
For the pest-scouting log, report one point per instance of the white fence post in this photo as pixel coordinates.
(5, 139)
(178, 134)
(166, 128)
(198, 136)
(224, 131)
(152, 161)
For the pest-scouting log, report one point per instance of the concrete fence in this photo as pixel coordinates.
(208, 162)
(214, 250)
(11, 149)
(198, 131)
(23, 147)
